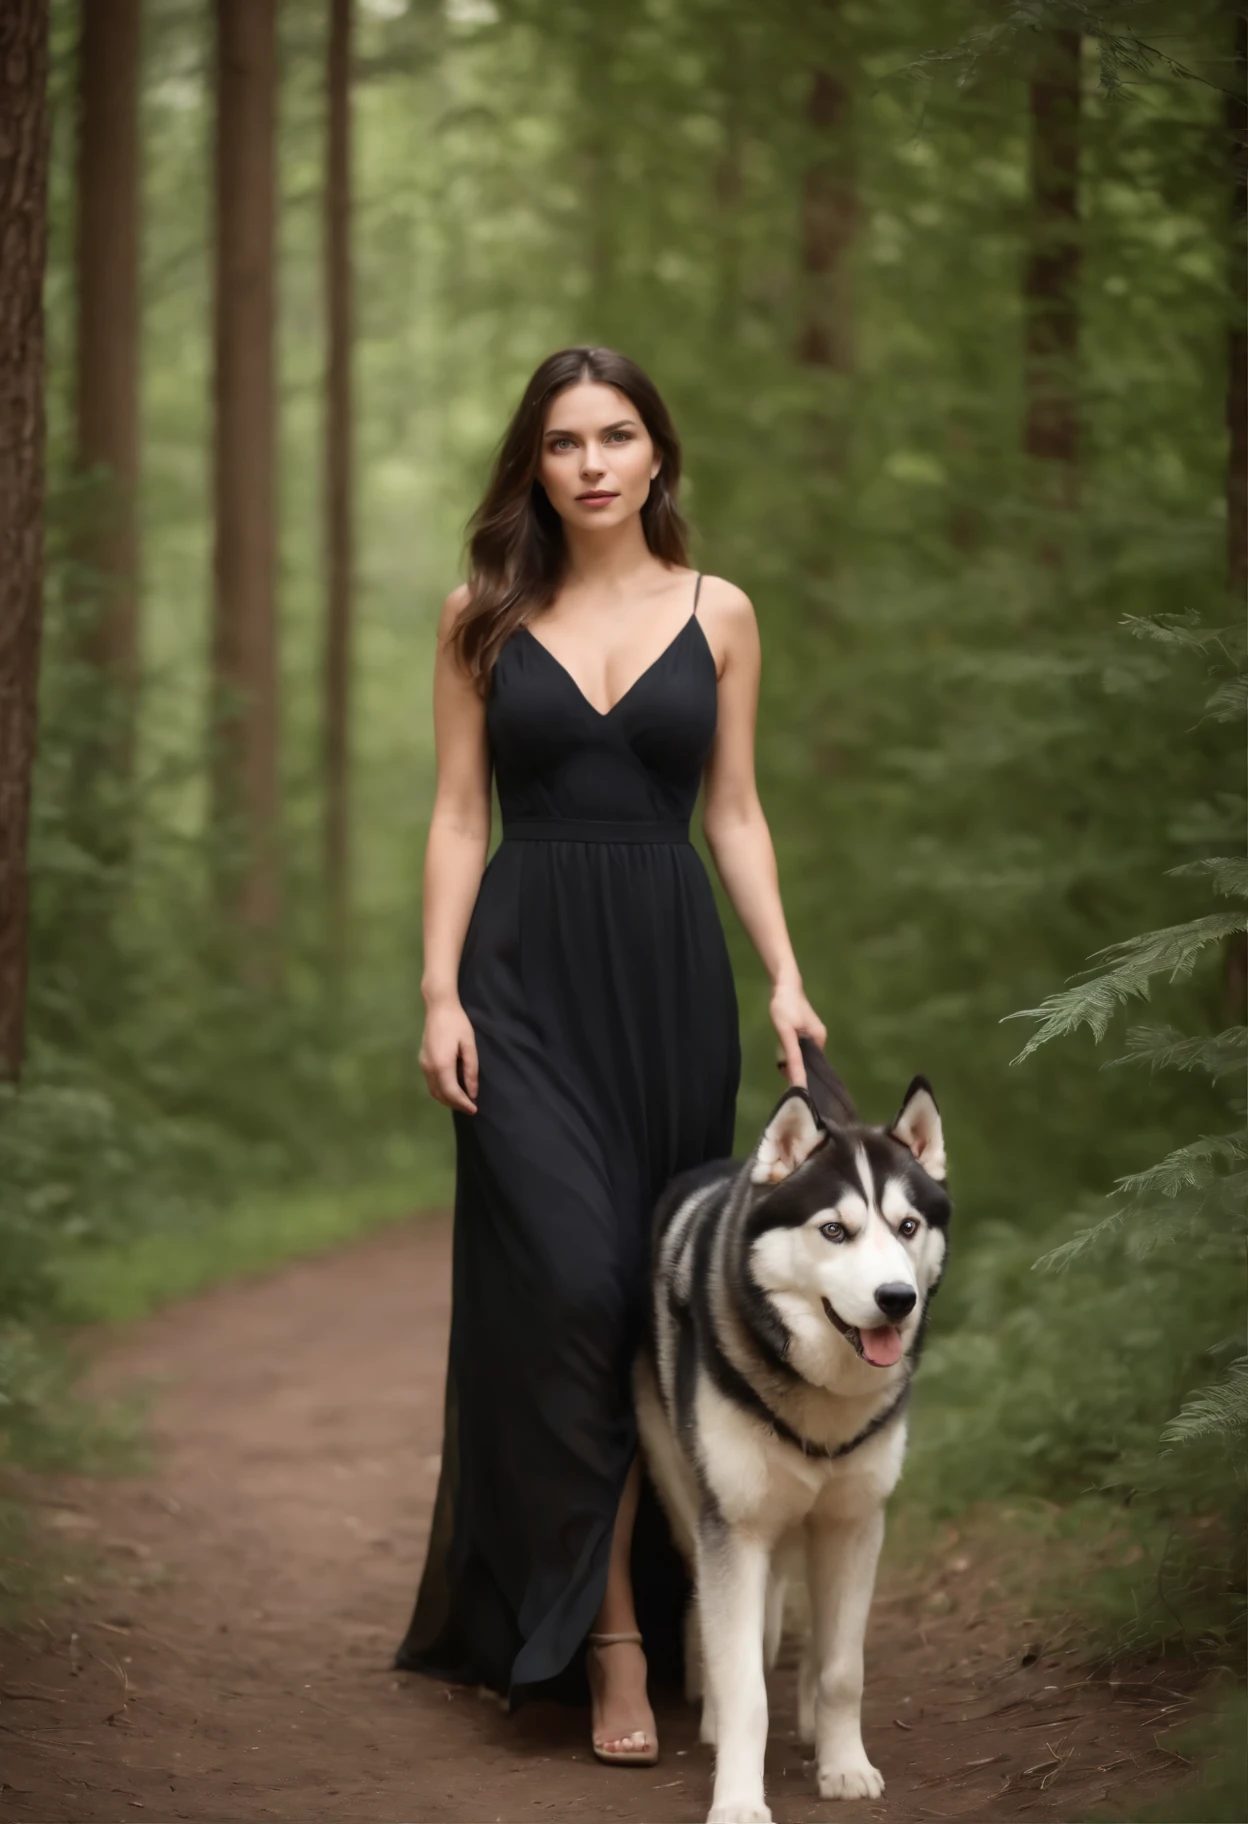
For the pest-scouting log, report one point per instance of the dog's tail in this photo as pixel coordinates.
(832, 1100)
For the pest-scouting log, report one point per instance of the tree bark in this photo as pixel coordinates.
(107, 355)
(824, 347)
(244, 634)
(338, 479)
(1235, 971)
(23, 250)
(1237, 340)
(729, 184)
(1050, 287)
(829, 221)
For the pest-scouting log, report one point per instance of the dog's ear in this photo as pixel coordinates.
(790, 1137)
(827, 1092)
(918, 1128)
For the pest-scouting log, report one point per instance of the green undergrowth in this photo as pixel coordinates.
(1041, 1400)
(132, 1278)
(45, 1423)
(1215, 1746)
(32, 1570)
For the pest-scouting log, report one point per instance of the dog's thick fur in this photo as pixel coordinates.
(769, 1430)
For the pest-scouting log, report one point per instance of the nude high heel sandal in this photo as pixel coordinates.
(622, 1757)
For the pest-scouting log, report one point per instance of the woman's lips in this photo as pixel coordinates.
(595, 500)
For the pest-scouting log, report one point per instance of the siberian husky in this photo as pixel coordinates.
(789, 1300)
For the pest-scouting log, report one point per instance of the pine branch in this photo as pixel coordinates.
(1166, 1048)
(1185, 630)
(1172, 951)
(1186, 1168)
(1220, 1411)
(1060, 1259)
(1229, 873)
(1229, 702)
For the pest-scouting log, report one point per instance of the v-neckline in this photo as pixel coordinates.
(605, 715)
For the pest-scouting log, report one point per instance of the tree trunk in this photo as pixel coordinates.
(23, 249)
(107, 390)
(824, 348)
(1237, 341)
(1050, 287)
(1235, 976)
(338, 478)
(594, 46)
(729, 185)
(828, 223)
(244, 635)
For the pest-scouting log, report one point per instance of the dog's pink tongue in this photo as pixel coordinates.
(882, 1347)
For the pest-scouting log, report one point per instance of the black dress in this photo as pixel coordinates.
(598, 983)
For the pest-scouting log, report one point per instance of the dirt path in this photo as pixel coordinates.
(231, 1659)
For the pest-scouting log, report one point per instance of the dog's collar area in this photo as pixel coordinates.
(833, 1453)
(851, 1333)
(736, 1387)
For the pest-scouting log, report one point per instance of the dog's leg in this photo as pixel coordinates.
(843, 1555)
(694, 1682)
(807, 1692)
(773, 1626)
(732, 1587)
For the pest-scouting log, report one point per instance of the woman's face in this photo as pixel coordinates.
(597, 459)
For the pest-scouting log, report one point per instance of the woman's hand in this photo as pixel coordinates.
(448, 1038)
(791, 1014)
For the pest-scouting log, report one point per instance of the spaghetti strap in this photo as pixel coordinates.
(696, 588)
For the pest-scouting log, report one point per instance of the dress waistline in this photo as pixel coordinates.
(581, 829)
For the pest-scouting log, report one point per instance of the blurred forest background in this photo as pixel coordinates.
(947, 301)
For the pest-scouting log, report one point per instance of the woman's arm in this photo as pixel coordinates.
(458, 842)
(733, 821)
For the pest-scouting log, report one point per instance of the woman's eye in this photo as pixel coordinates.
(624, 436)
(833, 1231)
(908, 1228)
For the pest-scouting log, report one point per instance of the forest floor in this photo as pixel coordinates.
(243, 1596)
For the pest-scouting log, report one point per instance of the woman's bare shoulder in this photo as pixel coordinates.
(453, 607)
(729, 607)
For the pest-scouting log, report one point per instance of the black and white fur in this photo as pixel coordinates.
(768, 1432)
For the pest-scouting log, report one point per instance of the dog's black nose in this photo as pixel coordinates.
(896, 1300)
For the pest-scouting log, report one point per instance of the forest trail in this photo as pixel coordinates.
(229, 1657)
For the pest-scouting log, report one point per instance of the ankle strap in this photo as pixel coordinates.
(609, 1640)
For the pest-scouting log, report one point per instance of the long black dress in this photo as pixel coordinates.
(597, 979)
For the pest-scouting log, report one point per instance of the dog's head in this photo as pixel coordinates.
(848, 1225)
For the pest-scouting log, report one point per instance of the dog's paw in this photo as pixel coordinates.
(852, 1780)
(738, 1814)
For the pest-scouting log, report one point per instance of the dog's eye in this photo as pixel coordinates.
(908, 1228)
(834, 1231)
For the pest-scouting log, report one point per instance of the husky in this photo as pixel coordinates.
(789, 1300)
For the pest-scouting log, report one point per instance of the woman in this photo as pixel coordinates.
(581, 1023)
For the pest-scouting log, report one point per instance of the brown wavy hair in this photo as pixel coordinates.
(516, 548)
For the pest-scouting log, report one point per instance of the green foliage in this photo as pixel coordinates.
(1216, 1744)
(1097, 1378)
(260, 1231)
(974, 782)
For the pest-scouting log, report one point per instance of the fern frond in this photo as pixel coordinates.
(1166, 1048)
(1183, 630)
(1187, 1168)
(1172, 951)
(1229, 702)
(1220, 1411)
(1059, 1259)
(1229, 873)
